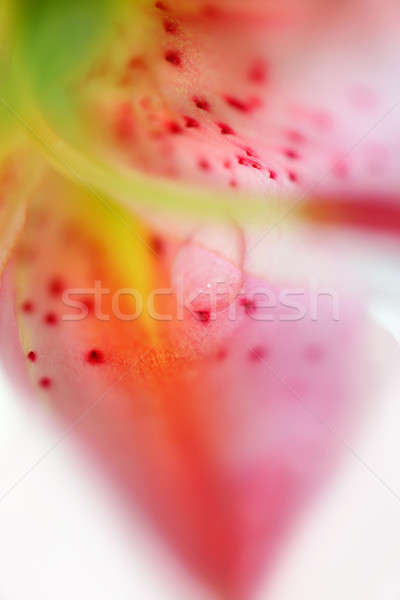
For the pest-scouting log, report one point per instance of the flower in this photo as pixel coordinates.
(153, 144)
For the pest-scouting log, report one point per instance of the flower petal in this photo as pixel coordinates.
(220, 427)
(261, 98)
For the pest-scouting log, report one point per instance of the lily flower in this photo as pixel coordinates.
(186, 189)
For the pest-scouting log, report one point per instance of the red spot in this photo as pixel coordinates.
(170, 26)
(89, 303)
(222, 354)
(28, 307)
(258, 354)
(258, 72)
(203, 316)
(95, 357)
(201, 103)
(272, 174)
(174, 128)
(157, 244)
(160, 6)
(295, 136)
(293, 176)
(204, 165)
(248, 305)
(56, 287)
(290, 153)
(236, 103)
(226, 129)
(124, 123)
(45, 382)
(314, 353)
(227, 164)
(250, 152)
(32, 356)
(173, 57)
(190, 122)
(248, 162)
(136, 62)
(340, 169)
(51, 318)
(233, 183)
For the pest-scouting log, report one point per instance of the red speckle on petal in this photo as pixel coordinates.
(272, 174)
(226, 129)
(203, 316)
(173, 57)
(257, 354)
(56, 287)
(51, 319)
(201, 103)
(190, 122)
(250, 152)
(170, 26)
(222, 354)
(248, 305)
(293, 176)
(204, 165)
(295, 136)
(32, 356)
(157, 244)
(233, 183)
(236, 103)
(227, 164)
(258, 72)
(248, 162)
(174, 128)
(95, 357)
(160, 6)
(290, 153)
(136, 62)
(89, 303)
(28, 307)
(45, 382)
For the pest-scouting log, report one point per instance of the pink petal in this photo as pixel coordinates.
(219, 428)
(292, 99)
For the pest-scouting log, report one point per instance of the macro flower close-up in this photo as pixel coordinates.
(199, 283)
